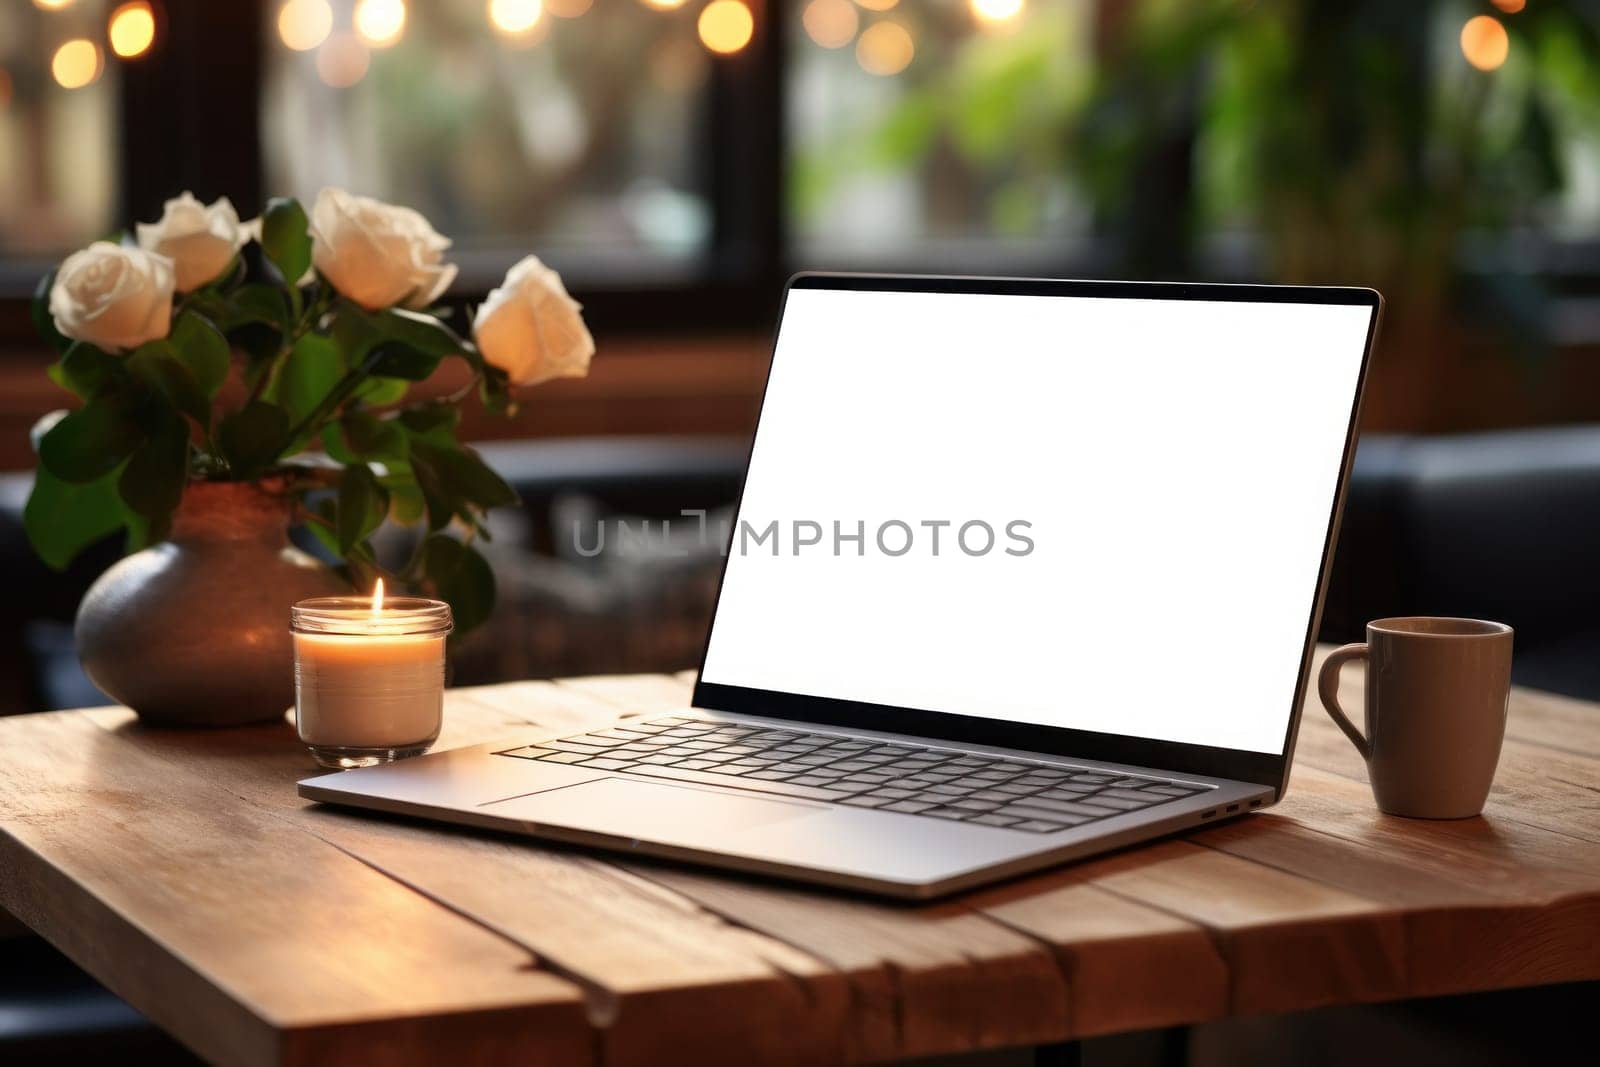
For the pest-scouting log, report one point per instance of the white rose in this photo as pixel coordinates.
(531, 329)
(112, 296)
(201, 241)
(377, 254)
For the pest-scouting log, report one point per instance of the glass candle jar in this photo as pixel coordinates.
(368, 677)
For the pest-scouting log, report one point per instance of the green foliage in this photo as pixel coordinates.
(313, 367)
(1350, 140)
(153, 479)
(310, 371)
(981, 122)
(253, 437)
(460, 576)
(94, 440)
(157, 365)
(199, 345)
(1351, 135)
(84, 370)
(285, 238)
(64, 518)
(362, 507)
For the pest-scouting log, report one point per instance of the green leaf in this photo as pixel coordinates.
(94, 440)
(313, 368)
(373, 438)
(157, 365)
(438, 500)
(363, 503)
(333, 444)
(84, 370)
(323, 531)
(421, 331)
(392, 359)
(201, 347)
(62, 518)
(460, 577)
(252, 437)
(152, 482)
(395, 343)
(494, 389)
(406, 503)
(381, 392)
(468, 477)
(435, 421)
(140, 536)
(257, 303)
(286, 238)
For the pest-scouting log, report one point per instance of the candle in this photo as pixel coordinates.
(369, 676)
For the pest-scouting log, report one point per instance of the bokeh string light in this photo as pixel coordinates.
(831, 23)
(996, 13)
(1484, 42)
(515, 18)
(726, 26)
(380, 23)
(885, 48)
(304, 24)
(132, 29)
(76, 63)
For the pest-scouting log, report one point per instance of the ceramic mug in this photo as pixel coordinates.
(1435, 711)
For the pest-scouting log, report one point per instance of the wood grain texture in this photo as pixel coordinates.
(233, 929)
(181, 868)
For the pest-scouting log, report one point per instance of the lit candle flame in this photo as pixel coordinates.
(377, 599)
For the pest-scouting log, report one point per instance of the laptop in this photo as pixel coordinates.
(1021, 571)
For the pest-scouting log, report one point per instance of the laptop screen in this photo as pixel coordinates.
(1102, 513)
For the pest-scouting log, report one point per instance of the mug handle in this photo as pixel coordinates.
(1328, 690)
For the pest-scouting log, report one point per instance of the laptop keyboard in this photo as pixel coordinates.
(906, 779)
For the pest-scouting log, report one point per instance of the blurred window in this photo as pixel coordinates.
(934, 131)
(640, 146)
(570, 126)
(58, 127)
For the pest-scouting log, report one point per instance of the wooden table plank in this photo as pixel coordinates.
(1290, 941)
(635, 953)
(1128, 965)
(1341, 957)
(925, 980)
(431, 941)
(236, 931)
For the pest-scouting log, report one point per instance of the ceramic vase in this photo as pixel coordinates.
(195, 631)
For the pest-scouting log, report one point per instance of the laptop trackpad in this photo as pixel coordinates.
(666, 813)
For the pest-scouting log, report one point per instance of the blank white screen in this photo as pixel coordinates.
(1177, 461)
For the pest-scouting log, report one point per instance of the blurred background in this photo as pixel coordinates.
(676, 159)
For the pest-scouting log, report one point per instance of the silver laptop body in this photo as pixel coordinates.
(1022, 571)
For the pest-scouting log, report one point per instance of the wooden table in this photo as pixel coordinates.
(182, 871)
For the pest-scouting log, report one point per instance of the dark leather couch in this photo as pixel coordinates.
(1501, 526)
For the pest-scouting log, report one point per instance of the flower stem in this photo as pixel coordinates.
(336, 397)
